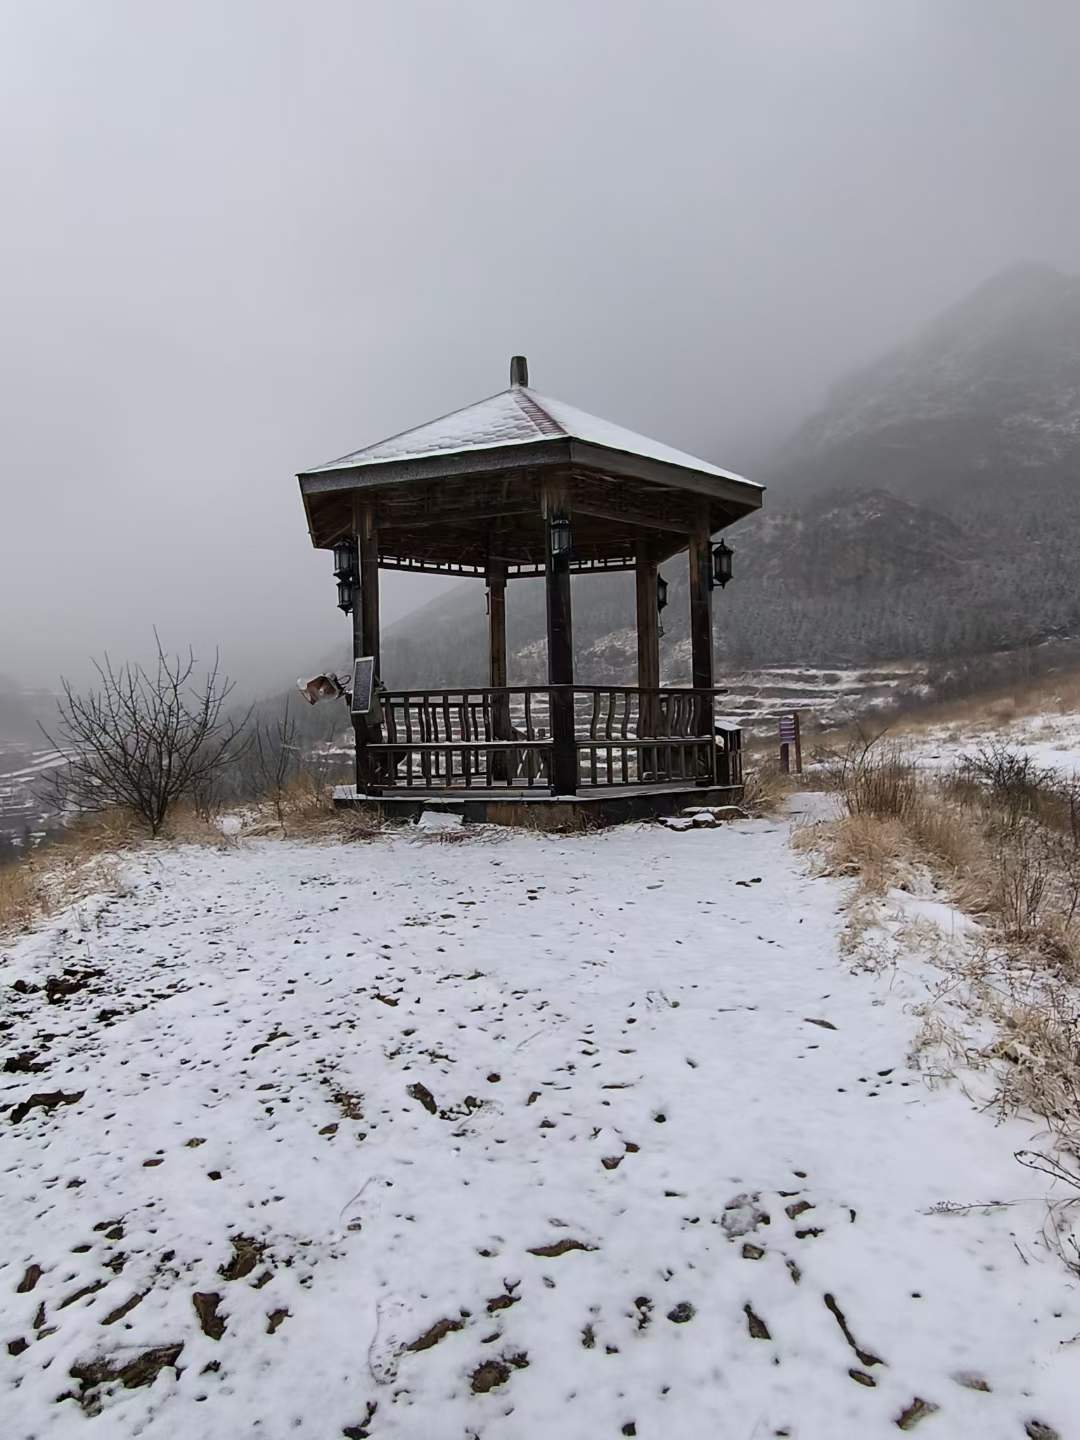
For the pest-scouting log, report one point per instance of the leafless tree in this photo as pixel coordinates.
(274, 758)
(144, 738)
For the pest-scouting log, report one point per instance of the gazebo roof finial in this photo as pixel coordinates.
(519, 370)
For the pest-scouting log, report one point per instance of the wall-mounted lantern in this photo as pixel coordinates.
(661, 600)
(345, 566)
(560, 535)
(346, 571)
(721, 563)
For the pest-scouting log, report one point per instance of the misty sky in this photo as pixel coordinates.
(244, 236)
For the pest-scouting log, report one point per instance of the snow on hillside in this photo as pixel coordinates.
(1051, 739)
(512, 1137)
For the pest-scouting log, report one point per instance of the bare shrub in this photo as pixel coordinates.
(1016, 785)
(274, 762)
(1021, 870)
(143, 739)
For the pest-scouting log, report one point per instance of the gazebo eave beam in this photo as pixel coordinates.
(515, 458)
(555, 451)
(628, 515)
(674, 477)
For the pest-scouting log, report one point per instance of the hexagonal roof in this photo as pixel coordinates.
(517, 416)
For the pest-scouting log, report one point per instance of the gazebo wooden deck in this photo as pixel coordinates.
(520, 485)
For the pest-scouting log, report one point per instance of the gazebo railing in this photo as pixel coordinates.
(501, 739)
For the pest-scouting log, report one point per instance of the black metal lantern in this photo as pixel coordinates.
(721, 563)
(345, 595)
(345, 560)
(560, 535)
(661, 600)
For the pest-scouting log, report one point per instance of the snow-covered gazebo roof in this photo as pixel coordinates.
(445, 489)
(518, 416)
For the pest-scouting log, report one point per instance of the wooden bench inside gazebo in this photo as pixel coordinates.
(521, 485)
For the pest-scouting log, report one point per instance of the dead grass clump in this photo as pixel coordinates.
(21, 900)
(1040, 1042)
(896, 821)
(884, 787)
(306, 805)
(942, 834)
(867, 847)
(91, 835)
(765, 787)
(190, 824)
(48, 880)
(359, 824)
(873, 778)
(1001, 837)
(301, 808)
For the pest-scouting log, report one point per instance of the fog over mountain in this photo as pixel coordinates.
(987, 396)
(242, 239)
(930, 511)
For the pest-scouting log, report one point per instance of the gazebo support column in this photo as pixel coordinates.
(497, 668)
(367, 539)
(648, 640)
(365, 618)
(560, 651)
(701, 637)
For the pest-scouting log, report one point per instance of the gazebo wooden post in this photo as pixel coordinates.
(560, 654)
(367, 541)
(648, 640)
(701, 638)
(497, 669)
(365, 618)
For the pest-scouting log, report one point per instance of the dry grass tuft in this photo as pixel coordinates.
(21, 900)
(356, 824)
(51, 879)
(765, 788)
(1039, 1040)
(1001, 838)
(187, 825)
(466, 834)
(868, 848)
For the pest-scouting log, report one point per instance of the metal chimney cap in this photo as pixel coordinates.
(519, 370)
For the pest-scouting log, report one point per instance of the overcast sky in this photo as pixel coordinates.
(245, 236)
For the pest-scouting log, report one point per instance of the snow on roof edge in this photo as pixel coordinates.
(570, 422)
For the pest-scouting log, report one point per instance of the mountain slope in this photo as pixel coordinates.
(987, 395)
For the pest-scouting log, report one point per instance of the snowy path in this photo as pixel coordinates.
(427, 1140)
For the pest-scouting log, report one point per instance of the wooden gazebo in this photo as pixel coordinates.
(521, 485)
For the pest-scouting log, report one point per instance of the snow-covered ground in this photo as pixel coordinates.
(513, 1137)
(1051, 739)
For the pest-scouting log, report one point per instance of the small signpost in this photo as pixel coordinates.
(790, 744)
(362, 705)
